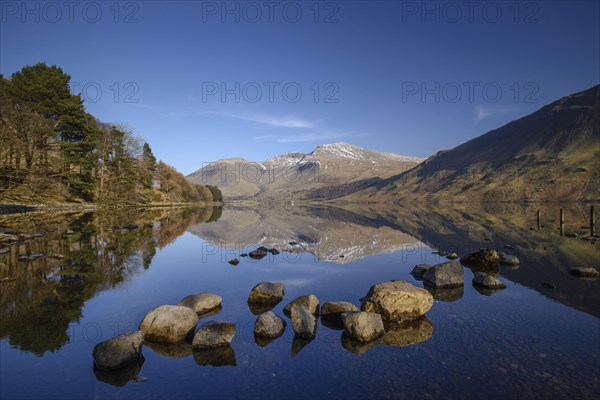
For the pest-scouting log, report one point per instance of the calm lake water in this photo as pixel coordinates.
(538, 338)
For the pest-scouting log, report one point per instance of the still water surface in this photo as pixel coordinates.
(538, 338)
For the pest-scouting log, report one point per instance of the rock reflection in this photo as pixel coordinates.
(333, 322)
(216, 357)
(210, 313)
(180, 349)
(407, 333)
(38, 303)
(398, 334)
(298, 344)
(120, 377)
(487, 291)
(446, 294)
(356, 347)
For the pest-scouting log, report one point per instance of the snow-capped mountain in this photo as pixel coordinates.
(327, 170)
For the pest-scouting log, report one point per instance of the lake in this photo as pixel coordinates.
(87, 277)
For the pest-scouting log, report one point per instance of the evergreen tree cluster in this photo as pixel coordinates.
(52, 150)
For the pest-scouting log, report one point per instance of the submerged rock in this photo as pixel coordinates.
(266, 292)
(487, 281)
(481, 258)
(585, 272)
(269, 325)
(397, 300)
(445, 275)
(309, 301)
(214, 334)
(169, 324)
(420, 269)
(234, 262)
(303, 323)
(201, 302)
(116, 352)
(508, 259)
(363, 326)
(274, 251)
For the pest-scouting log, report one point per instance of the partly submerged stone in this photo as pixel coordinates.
(303, 323)
(266, 292)
(397, 300)
(445, 275)
(119, 351)
(201, 302)
(269, 325)
(487, 281)
(169, 324)
(309, 301)
(363, 326)
(214, 334)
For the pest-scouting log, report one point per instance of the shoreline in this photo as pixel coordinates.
(6, 209)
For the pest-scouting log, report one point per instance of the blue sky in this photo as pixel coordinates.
(202, 81)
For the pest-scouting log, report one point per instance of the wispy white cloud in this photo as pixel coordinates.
(279, 122)
(317, 137)
(483, 112)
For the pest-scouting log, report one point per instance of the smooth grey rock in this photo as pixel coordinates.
(201, 302)
(269, 325)
(118, 351)
(303, 323)
(310, 302)
(169, 324)
(337, 307)
(397, 300)
(419, 270)
(266, 292)
(487, 281)
(445, 275)
(214, 334)
(363, 326)
(507, 259)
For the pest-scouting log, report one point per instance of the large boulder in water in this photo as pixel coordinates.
(445, 275)
(119, 351)
(202, 302)
(169, 324)
(397, 300)
(363, 326)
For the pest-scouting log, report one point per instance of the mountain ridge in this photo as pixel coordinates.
(297, 175)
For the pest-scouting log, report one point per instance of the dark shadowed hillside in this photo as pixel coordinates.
(549, 155)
